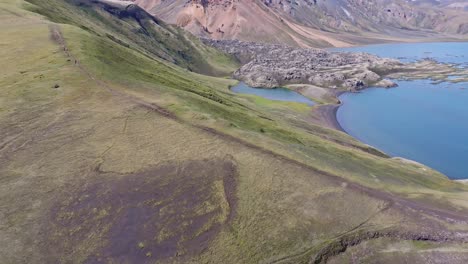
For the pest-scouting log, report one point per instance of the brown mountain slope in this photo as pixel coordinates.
(311, 22)
(246, 20)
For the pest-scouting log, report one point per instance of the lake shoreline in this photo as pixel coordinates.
(430, 64)
(451, 176)
(326, 114)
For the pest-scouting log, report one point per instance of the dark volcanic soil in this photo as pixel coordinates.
(173, 210)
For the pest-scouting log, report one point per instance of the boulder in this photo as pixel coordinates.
(386, 83)
(354, 84)
(368, 77)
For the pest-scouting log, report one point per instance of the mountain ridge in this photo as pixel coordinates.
(312, 23)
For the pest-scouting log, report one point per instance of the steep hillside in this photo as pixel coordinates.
(311, 23)
(112, 151)
(130, 26)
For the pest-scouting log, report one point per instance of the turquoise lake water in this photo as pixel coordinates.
(418, 120)
(277, 94)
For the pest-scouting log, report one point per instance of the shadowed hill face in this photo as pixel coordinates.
(307, 22)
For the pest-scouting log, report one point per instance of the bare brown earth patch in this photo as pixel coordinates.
(170, 211)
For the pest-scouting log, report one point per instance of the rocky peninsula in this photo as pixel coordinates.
(323, 75)
(272, 65)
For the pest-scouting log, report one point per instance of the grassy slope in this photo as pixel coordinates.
(134, 28)
(100, 124)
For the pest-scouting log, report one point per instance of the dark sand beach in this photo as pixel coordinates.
(326, 115)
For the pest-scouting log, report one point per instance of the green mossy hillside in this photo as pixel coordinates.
(134, 28)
